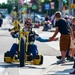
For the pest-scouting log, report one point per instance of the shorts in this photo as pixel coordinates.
(72, 43)
(65, 40)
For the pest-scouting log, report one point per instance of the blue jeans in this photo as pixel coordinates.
(32, 49)
(13, 50)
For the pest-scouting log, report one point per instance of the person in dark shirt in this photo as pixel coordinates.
(65, 31)
(47, 18)
(47, 23)
(68, 20)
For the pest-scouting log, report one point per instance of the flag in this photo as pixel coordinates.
(21, 2)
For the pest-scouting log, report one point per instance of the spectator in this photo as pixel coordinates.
(68, 20)
(14, 14)
(64, 29)
(73, 45)
(47, 23)
(47, 18)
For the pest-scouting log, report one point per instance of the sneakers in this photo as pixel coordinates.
(70, 58)
(58, 57)
(61, 61)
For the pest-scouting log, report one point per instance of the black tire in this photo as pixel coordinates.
(41, 62)
(7, 54)
(39, 57)
(22, 52)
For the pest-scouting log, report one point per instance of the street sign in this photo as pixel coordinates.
(47, 6)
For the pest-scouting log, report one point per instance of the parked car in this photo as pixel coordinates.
(4, 13)
(37, 17)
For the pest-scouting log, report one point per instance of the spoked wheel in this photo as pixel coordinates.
(22, 52)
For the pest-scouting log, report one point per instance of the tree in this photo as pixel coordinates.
(9, 1)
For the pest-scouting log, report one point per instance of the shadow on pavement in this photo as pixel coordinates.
(14, 65)
(5, 35)
(4, 28)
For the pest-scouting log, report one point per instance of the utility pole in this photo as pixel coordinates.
(71, 11)
(27, 9)
(13, 4)
(60, 5)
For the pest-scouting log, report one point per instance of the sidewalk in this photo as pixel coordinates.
(49, 67)
(59, 69)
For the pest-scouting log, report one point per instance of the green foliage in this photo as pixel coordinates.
(5, 6)
(9, 1)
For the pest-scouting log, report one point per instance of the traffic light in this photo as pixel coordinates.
(65, 1)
